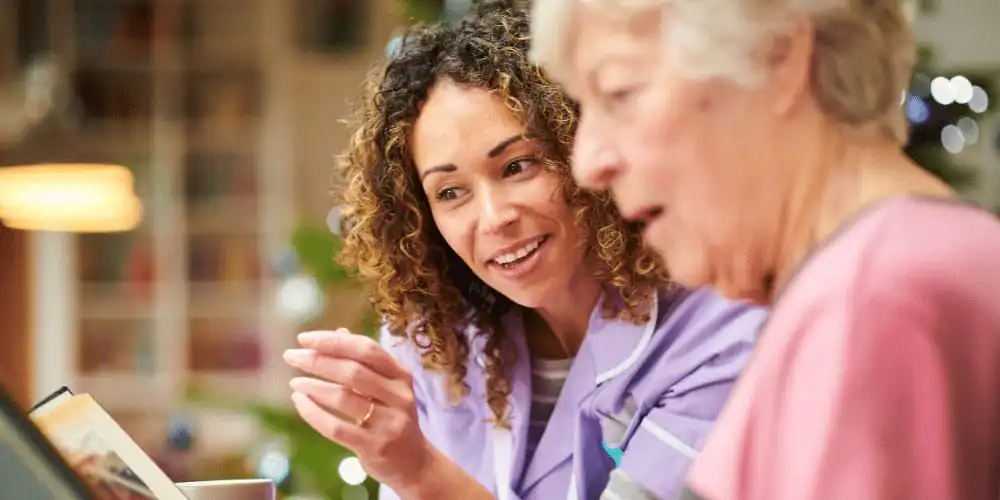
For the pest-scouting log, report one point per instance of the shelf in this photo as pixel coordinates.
(117, 346)
(118, 258)
(128, 392)
(237, 216)
(226, 135)
(331, 26)
(240, 384)
(177, 91)
(115, 29)
(224, 300)
(32, 15)
(223, 103)
(216, 345)
(220, 191)
(110, 301)
(111, 136)
(224, 258)
(120, 97)
(220, 30)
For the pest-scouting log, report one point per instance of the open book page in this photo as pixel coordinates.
(55, 399)
(100, 450)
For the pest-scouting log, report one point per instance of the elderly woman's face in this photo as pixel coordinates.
(680, 154)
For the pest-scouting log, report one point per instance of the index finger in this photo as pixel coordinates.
(346, 345)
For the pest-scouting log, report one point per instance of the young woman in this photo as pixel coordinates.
(527, 328)
(760, 142)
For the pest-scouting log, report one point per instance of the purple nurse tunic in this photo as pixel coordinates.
(652, 390)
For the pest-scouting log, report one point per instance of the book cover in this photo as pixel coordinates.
(101, 451)
(30, 466)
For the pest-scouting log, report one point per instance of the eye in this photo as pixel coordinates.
(619, 96)
(447, 194)
(519, 166)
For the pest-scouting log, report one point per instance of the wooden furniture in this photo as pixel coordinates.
(15, 353)
(181, 92)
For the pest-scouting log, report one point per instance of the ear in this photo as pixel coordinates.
(788, 59)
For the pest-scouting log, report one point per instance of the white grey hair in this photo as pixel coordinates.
(863, 56)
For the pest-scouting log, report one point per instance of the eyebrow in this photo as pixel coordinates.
(499, 148)
(447, 167)
(492, 153)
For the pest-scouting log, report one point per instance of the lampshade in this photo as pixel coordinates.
(80, 198)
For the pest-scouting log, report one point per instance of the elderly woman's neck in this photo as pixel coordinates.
(845, 176)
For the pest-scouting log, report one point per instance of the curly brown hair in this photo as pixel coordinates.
(422, 289)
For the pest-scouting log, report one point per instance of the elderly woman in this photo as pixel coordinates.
(760, 144)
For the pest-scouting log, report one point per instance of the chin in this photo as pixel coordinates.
(531, 296)
(688, 267)
(526, 299)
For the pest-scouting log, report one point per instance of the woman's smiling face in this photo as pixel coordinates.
(494, 202)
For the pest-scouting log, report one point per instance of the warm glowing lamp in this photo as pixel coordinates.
(78, 198)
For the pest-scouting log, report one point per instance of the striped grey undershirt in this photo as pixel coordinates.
(547, 379)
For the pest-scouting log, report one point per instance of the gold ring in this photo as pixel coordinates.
(371, 409)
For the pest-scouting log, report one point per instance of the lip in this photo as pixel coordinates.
(638, 213)
(515, 246)
(524, 267)
(647, 224)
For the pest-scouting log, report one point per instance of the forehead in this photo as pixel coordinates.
(603, 35)
(458, 123)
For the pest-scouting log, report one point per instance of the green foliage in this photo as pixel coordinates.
(316, 247)
(423, 10)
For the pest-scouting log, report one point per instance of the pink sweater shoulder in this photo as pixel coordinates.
(878, 373)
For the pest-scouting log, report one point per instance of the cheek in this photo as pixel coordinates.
(665, 132)
(456, 235)
(546, 198)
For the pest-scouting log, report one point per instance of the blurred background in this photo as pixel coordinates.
(225, 115)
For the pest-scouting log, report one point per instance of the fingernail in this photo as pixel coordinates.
(296, 356)
(307, 339)
(295, 384)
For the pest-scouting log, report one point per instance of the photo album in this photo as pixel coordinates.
(99, 450)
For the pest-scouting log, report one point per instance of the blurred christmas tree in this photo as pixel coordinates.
(944, 110)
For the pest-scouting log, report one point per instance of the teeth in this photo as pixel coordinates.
(518, 254)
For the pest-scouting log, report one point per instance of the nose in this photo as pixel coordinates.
(595, 165)
(496, 212)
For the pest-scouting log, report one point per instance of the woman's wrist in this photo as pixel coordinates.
(443, 478)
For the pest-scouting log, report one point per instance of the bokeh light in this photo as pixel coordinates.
(952, 139)
(351, 471)
(300, 299)
(942, 91)
(961, 89)
(980, 101)
(969, 129)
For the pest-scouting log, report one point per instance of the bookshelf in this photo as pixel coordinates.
(183, 93)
